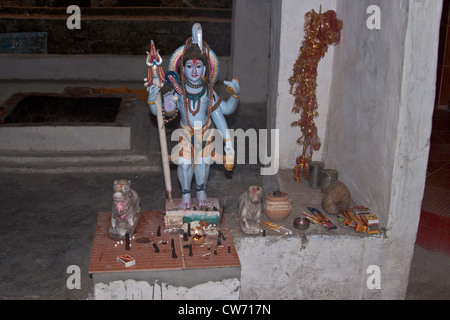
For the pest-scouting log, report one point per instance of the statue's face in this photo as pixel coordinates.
(194, 69)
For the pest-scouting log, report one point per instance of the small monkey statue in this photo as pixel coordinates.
(250, 206)
(126, 210)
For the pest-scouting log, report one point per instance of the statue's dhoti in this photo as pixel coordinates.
(194, 144)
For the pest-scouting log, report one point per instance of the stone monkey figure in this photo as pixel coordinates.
(249, 210)
(126, 210)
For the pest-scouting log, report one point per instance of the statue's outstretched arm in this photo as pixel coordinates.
(229, 106)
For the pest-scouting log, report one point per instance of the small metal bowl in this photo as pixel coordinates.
(301, 223)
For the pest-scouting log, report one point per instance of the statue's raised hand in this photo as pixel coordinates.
(233, 87)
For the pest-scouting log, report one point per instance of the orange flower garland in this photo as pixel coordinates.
(321, 30)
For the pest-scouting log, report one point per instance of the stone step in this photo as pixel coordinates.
(75, 162)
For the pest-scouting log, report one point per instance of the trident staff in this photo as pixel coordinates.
(156, 76)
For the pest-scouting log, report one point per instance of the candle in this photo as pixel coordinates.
(174, 255)
(127, 241)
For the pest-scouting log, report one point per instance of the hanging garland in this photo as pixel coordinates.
(321, 30)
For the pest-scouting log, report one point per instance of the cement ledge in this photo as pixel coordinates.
(303, 197)
(77, 162)
(315, 263)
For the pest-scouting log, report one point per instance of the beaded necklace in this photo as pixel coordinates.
(194, 86)
(195, 96)
(188, 97)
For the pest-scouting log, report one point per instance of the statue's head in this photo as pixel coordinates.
(194, 64)
(195, 50)
(121, 196)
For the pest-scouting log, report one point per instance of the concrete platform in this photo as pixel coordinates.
(70, 136)
(82, 159)
(208, 264)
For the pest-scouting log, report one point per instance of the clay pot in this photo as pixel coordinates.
(277, 208)
(283, 198)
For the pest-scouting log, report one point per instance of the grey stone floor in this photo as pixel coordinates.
(49, 219)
